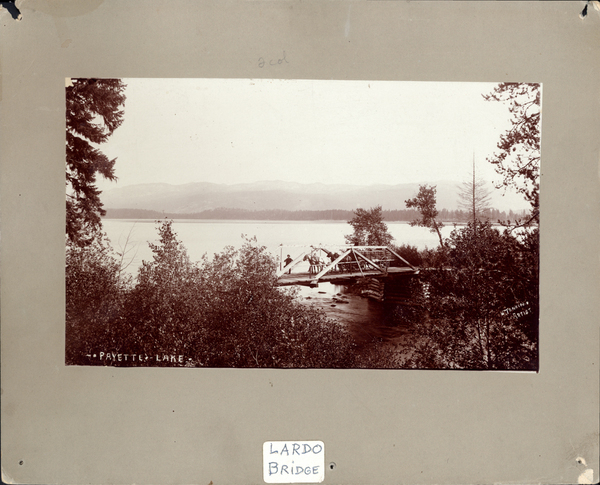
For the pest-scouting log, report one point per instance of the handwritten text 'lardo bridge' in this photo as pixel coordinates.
(348, 263)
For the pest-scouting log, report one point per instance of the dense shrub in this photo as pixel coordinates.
(95, 292)
(476, 308)
(409, 253)
(160, 314)
(252, 323)
(223, 312)
(481, 299)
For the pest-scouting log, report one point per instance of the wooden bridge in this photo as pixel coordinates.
(320, 264)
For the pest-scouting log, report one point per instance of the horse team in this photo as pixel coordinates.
(347, 265)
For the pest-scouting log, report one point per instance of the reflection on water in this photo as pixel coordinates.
(366, 319)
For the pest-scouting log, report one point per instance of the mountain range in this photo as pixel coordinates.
(265, 195)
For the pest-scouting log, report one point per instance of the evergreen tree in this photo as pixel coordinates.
(93, 113)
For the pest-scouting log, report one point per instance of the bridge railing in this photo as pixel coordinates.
(351, 259)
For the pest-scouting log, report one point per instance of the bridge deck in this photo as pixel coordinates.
(306, 279)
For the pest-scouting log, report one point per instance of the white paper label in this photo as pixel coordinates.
(293, 461)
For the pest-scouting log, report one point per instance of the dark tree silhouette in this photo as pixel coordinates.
(425, 202)
(369, 228)
(518, 160)
(93, 113)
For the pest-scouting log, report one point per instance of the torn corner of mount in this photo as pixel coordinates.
(593, 3)
(12, 9)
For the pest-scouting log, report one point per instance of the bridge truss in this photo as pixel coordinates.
(350, 262)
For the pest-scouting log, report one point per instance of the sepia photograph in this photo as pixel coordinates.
(235, 231)
(299, 223)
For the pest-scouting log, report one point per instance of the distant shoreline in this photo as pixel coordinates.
(275, 215)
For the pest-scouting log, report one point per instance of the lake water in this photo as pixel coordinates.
(209, 237)
(362, 316)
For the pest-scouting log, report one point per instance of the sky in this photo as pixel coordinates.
(230, 131)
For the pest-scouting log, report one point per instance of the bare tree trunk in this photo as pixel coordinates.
(437, 229)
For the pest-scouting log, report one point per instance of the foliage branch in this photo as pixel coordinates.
(93, 113)
(518, 158)
(369, 228)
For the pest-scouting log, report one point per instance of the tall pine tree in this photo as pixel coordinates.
(93, 113)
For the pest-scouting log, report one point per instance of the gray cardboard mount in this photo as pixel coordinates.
(76, 425)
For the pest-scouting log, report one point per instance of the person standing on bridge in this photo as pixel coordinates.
(287, 262)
